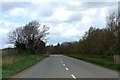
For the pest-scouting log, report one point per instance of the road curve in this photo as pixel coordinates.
(59, 66)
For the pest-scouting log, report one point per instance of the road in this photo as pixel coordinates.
(59, 66)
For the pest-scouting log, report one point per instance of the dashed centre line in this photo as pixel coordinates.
(61, 60)
(67, 68)
(63, 64)
(73, 76)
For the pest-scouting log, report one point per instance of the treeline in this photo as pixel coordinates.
(97, 41)
(64, 48)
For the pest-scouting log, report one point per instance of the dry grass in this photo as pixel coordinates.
(11, 59)
(10, 56)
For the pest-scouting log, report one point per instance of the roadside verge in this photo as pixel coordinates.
(96, 59)
(10, 69)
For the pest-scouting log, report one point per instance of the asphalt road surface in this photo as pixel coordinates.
(59, 66)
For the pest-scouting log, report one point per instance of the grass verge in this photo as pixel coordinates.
(97, 59)
(9, 69)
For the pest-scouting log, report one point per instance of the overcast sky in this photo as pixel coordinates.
(68, 19)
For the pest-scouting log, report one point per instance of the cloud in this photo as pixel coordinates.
(75, 30)
(16, 12)
(67, 32)
(3, 31)
(20, 13)
(7, 25)
(43, 1)
(10, 5)
(44, 9)
(31, 12)
(103, 12)
(75, 16)
(86, 20)
(90, 12)
(71, 33)
(60, 15)
(90, 5)
(68, 19)
(3, 39)
(54, 11)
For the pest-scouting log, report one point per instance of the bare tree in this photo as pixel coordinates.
(113, 24)
(31, 35)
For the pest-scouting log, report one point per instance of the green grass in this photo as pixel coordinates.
(97, 59)
(10, 69)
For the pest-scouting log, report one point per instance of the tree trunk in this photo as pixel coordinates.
(117, 59)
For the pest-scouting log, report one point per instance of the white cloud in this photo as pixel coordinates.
(69, 30)
(86, 20)
(43, 1)
(71, 33)
(60, 14)
(8, 25)
(74, 2)
(33, 15)
(98, 0)
(18, 12)
(2, 31)
(5, 28)
(103, 12)
(90, 12)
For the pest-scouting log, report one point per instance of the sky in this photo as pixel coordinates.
(68, 19)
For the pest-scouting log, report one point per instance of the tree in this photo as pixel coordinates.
(41, 47)
(96, 41)
(32, 34)
(113, 24)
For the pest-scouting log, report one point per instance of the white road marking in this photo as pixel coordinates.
(63, 64)
(67, 68)
(61, 60)
(73, 76)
